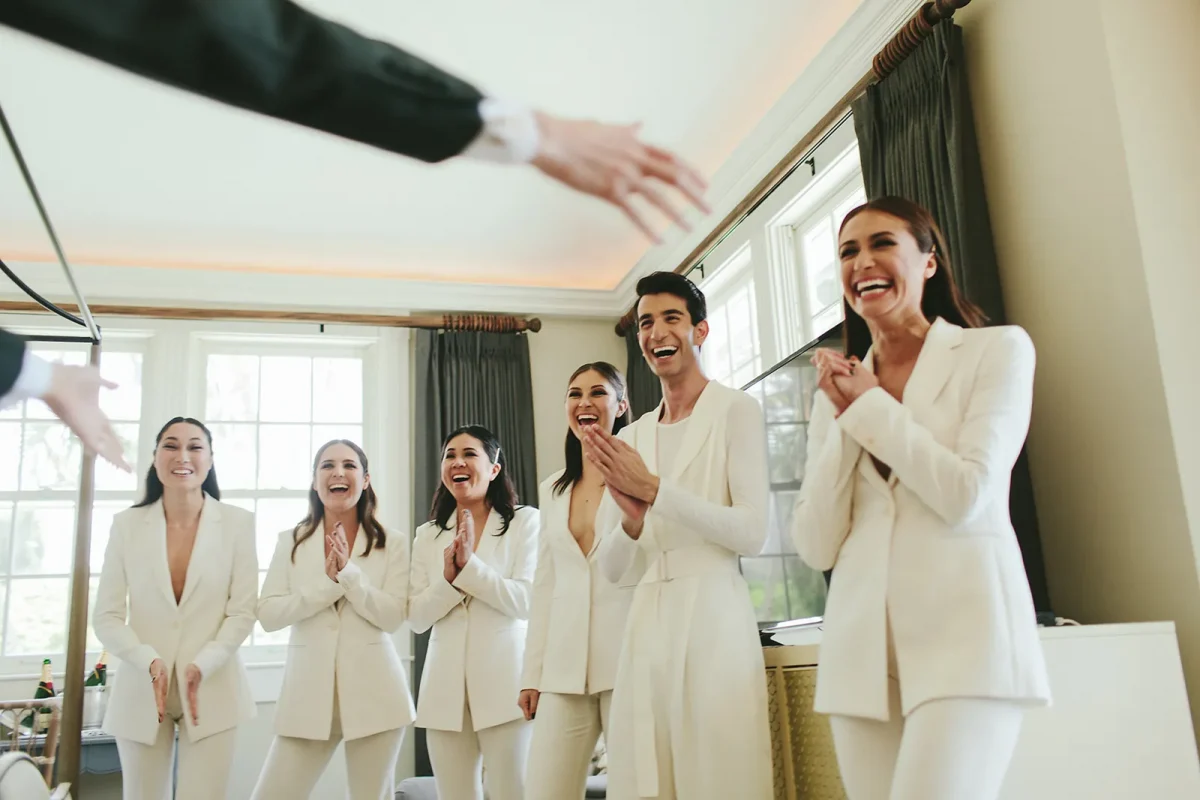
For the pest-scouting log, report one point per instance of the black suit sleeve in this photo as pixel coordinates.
(12, 355)
(272, 57)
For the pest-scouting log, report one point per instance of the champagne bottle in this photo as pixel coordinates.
(99, 673)
(45, 689)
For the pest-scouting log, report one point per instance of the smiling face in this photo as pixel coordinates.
(883, 268)
(592, 400)
(466, 469)
(340, 478)
(182, 457)
(666, 335)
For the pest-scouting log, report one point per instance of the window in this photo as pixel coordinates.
(816, 239)
(39, 485)
(732, 353)
(269, 408)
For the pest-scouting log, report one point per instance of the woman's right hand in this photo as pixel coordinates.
(159, 681)
(528, 702)
(449, 564)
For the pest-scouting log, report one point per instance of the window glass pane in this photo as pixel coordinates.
(6, 514)
(327, 433)
(742, 334)
(768, 591)
(337, 390)
(276, 514)
(10, 455)
(51, 458)
(44, 537)
(783, 396)
(125, 370)
(852, 202)
(284, 458)
(93, 642)
(805, 589)
(232, 388)
(821, 264)
(286, 389)
(235, 455)
(786, 446)
(108, 477)
(36, 610)
(15, 411)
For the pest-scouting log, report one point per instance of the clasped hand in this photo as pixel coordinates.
(337, 552)
(628, 480)
(458, 552)
(842, 379)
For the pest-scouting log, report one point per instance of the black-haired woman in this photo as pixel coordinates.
(175, 601)
(578, 619)
(472, 577)
(340, 580)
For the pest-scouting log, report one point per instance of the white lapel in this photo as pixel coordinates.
(489, 542)
(154, 529)
(208, 534)
(701, 422)
(935, 365)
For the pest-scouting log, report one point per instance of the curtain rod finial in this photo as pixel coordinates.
(533, 324)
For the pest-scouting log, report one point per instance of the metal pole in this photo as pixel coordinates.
(72, 729)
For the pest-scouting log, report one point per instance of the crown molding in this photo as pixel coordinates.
(154, 286)
(834, 71)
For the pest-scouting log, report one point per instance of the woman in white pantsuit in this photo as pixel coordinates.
(175, 601)
(930, 650)
(472, 576)
(578, 618)
(341, 582)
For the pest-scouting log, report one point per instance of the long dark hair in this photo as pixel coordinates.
(367, 503)
(501, 495)
(154, 485)
(574, 448)
(941, 297)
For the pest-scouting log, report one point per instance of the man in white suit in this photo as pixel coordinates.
(689, 708)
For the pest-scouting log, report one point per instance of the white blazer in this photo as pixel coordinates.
(214, 616)
(932, 548)
(479, 623)
(578, 617)
(340, 638)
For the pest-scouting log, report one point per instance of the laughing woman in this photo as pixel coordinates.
(473, 567)
(578, 617)
(175, 601)
(341, 581)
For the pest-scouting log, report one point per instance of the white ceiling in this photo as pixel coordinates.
(137, 174)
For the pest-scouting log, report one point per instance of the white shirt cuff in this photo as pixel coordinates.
(509, 136)
(33, 380)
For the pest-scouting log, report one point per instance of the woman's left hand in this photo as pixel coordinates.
(193, 678)
(466, 538)
(859, 380)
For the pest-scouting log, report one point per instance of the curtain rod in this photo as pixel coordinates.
(490, 323)
(898, 48)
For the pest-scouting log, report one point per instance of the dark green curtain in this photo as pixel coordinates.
(463, 378)
(645, 392)
(916, 139)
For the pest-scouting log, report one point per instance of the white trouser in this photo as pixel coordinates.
(146, 770)
(951, 749)
(294, 765)
(565, 730)
(455, 758)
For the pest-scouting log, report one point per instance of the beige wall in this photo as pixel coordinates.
(554, 353)
(1087, 121)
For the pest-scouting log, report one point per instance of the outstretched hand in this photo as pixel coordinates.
(74, 397)
(610, 162)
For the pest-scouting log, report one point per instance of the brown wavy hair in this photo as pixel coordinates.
(367, 503)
